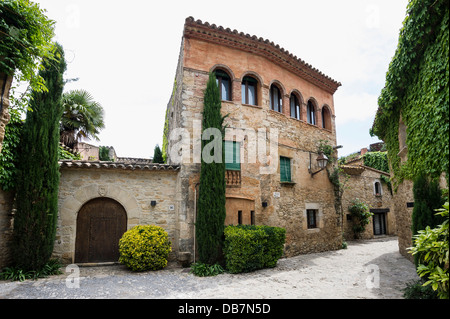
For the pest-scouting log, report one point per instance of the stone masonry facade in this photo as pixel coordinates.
(362, 184)
(253, 197)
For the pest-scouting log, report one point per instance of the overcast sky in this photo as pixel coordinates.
(125, 53)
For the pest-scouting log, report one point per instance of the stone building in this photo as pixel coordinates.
(264, 88)
(365, 183)
(280, 110)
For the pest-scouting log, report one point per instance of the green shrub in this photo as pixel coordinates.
(416, 290)
(144, 247)
(205, 270)
(431, 246)
(52, 267)
(249, 248)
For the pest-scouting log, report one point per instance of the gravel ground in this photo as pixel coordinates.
(369, 269)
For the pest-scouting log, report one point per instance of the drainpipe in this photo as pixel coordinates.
(195, 218)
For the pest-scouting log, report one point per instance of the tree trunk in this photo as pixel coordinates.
(5, 86)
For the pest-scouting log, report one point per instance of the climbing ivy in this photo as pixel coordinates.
(377, 160)
(417, 89)
(165, 143)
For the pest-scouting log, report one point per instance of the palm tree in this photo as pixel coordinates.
(82, 117)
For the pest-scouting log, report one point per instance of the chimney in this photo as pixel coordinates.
(364, 151)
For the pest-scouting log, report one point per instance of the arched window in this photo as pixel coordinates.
(249, 90)
(326, 118)
(295, 107)
(311, 113)
(377, 190)
(224, 83)
(276, 99)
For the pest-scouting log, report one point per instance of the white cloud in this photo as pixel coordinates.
(354, 107)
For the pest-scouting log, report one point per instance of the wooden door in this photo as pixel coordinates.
(101, 222)
(379, 224)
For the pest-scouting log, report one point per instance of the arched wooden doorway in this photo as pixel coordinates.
(101, 222)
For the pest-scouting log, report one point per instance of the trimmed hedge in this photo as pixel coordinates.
(145, 247)
(248, 248)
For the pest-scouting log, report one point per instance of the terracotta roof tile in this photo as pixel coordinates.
(116, 165)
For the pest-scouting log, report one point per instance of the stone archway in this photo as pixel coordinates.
(72, 205)
(101, 222)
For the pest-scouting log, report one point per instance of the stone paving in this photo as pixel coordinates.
(367, 269)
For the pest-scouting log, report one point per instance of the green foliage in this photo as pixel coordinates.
(82, 117)
(361, 216)
(204, 270)
(158, 156)
(144, 247)
(416, 290)
(25, 36)
(38, 172)
(417, 88)
(377, 160)
(9, 154)
(16, 274)
(103, 154)
(64, 154)
(248, 248)
(165, 144)
(432, 248)
(211, 202)
(427, 198)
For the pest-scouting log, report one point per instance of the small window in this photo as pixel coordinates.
(239, 217)
(295, 107)
(377, 188)
(311, 218)
(311, 113)
(252, 217)
(326, 118)
(276, 99)
(249, 90)
(285, 169)
(224, 83)
(232, 155)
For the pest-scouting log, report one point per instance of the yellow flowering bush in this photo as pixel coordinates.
(145, 247)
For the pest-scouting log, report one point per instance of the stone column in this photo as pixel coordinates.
(5, 86)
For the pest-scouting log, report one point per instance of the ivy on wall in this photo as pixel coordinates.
(417, 89)
(377, 160)
(165, 143)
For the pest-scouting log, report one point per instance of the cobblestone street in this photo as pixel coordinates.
(367, 269)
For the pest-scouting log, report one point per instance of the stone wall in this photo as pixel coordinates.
(404, 195)
(134, 189)
(6, 218)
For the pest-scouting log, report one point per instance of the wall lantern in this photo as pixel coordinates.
(322, 161)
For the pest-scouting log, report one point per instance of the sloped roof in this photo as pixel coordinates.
(117, 165)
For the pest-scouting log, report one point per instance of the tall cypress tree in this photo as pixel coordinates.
(38, 171)
(427, 198)
(211, 202)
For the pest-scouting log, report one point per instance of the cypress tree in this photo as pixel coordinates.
(38, 171)
(157, 155)
(211, 202)
(427, 198)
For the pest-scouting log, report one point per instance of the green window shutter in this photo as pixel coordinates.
(285, 169)
(232, 156)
